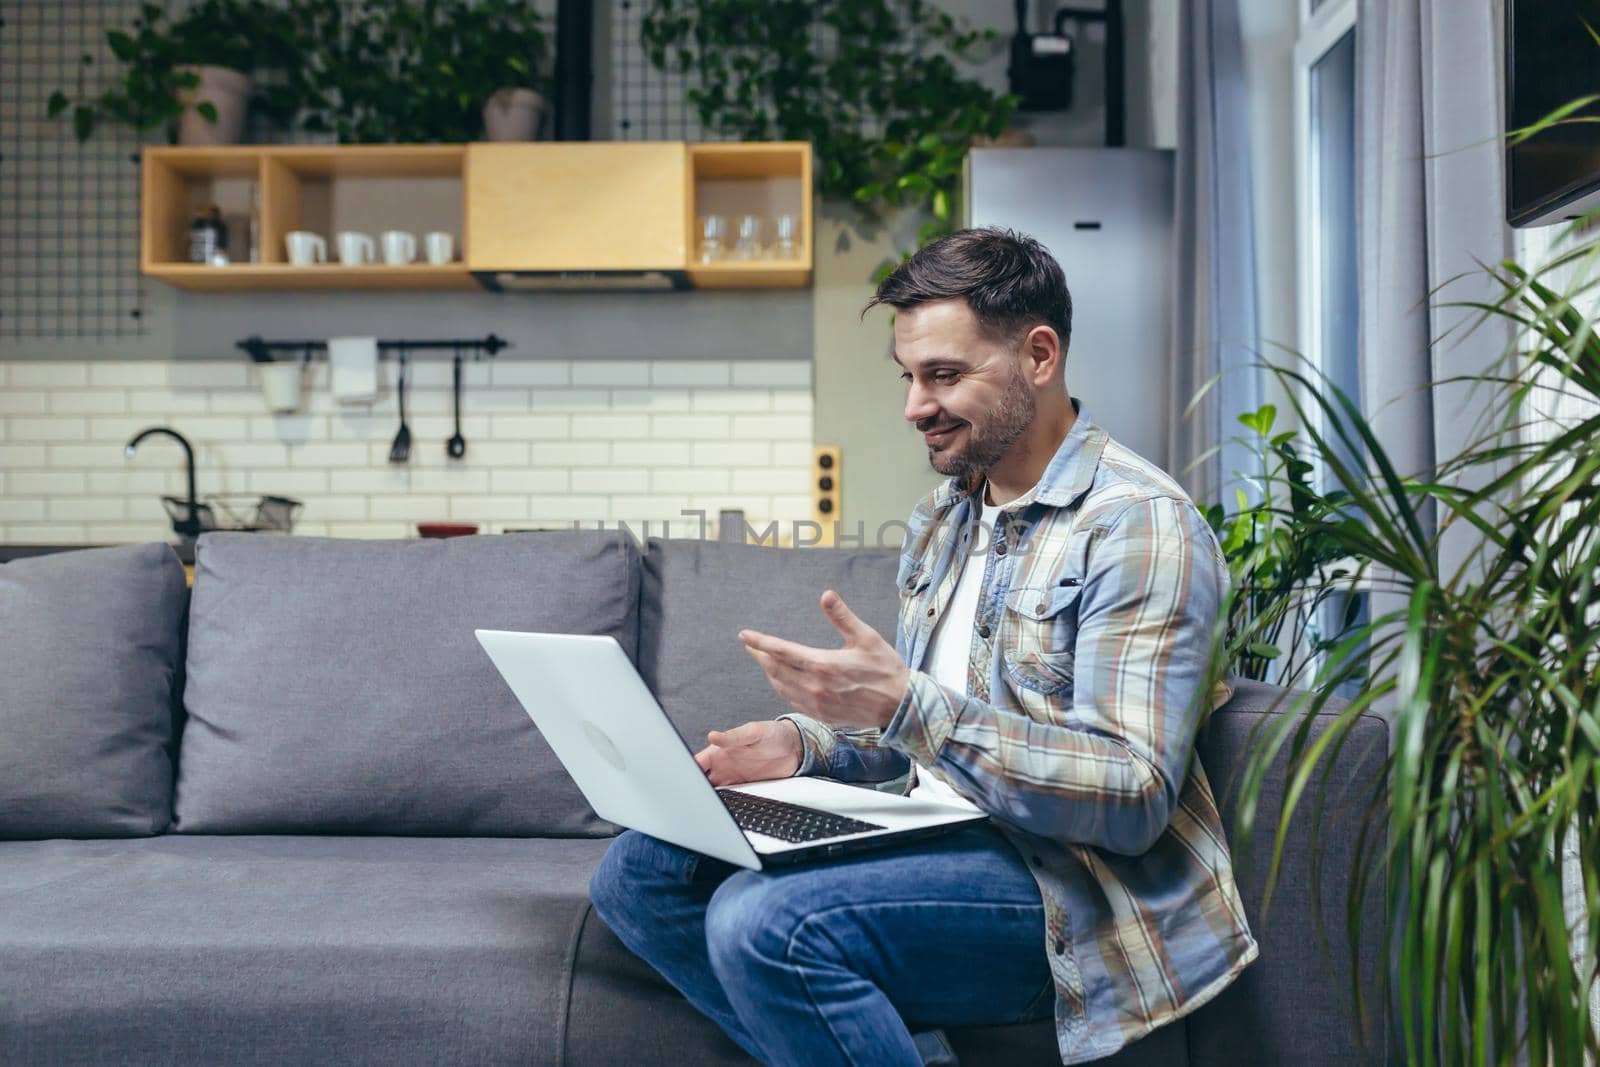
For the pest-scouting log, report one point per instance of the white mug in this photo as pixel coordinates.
(305, 248)
(440, 247)
(355, 248)
(280, 385)
(399, 248)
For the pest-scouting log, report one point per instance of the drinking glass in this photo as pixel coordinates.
(713, 236)
(749, 246)
(787, 246)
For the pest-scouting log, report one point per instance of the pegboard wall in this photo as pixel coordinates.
(69, 213)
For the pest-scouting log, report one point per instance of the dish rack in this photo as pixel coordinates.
(237, 511)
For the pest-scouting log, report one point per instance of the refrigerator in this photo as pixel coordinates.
(1106, 216)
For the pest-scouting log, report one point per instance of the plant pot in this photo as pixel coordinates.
(512, 115)
(226, 90)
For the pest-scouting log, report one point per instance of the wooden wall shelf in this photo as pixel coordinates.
(538, 206)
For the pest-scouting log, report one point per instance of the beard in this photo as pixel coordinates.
(988, 438)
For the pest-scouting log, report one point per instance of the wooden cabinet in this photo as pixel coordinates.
(588, 206)
(514, 207)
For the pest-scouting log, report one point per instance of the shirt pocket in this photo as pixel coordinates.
(1043, 630)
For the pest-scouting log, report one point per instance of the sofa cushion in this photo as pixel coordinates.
(91, 642)
(337, 687)
(187, 949)
(698, 595)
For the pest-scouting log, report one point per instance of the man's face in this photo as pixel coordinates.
(966, 394)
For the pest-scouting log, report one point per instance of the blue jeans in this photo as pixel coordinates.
(836, 962)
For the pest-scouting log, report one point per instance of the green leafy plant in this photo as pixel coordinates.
(1283, 565)
(888, 114)
(242, 35)
(414, 71)
(1489, 669)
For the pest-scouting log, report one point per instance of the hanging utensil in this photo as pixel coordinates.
(400, 451)
(456, 447)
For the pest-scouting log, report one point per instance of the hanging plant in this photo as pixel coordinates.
(872, 84)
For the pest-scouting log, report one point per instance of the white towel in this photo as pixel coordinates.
(354, 369)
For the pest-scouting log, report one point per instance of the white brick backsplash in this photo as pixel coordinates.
(533, 427)
(117, 430)
(40, 533)
(772, 372)
(550, 443)
(689, 427)
(125, 375)
(574, 401)
(33, 483)
(649, 400)
(46, 429)
(772, 427)
(792, 454)
(23, 402)
(342, 454)
(323, 509)
(675, 372)
(651, 453)
(80, 509)
(161, 403)
(88, 402)
(611, 427)
(690, 480)
(21, 509)
(731, 400)
(51, 375)
(239, 455)
(527, 372)
(772, 481)
(488, 508)
(13, 457)
(791, 400)
(611, 372)
(370, 481)
(743, 454)
(451, 480)
(569, 509)
(297, 484)
(610, 481)
(412, 508)
(532, 481)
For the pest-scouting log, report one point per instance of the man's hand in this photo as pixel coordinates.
(855, 687)
(754, 752)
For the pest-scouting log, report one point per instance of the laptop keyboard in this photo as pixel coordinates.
(788, 822)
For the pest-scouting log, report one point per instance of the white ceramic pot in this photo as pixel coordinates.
(512, 115)
(226, 90)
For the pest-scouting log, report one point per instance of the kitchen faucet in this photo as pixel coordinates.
(188, 528)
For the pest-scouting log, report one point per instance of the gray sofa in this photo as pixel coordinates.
(296, 817)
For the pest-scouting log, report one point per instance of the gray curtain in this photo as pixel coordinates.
(1430, 213)
(1215, 329)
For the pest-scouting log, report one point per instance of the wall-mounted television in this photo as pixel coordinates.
(1551, 59)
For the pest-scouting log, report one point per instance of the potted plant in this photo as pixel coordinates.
(888, 68)
(192, 75)
(1483, 834)
(504, 66)
(420, 71)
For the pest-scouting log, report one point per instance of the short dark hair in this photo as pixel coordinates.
(1010, 281)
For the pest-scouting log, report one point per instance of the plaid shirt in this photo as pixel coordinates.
(1101, 588)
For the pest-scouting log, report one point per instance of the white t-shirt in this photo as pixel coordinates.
(950, 647)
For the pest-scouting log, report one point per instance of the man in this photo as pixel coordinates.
(1058, 596)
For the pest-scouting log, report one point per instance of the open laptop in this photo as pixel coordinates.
(635, 769)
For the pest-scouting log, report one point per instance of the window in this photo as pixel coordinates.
(1325, 167)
